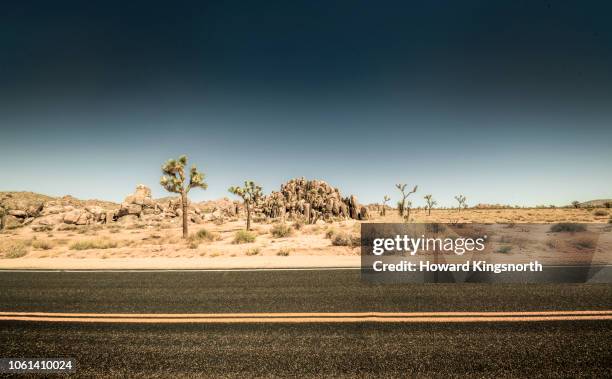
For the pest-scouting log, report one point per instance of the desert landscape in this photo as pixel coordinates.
(306, 223)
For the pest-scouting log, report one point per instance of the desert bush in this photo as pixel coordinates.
(344, 239)
(193, 242)
(584, 243)
(14, 250)
(253, 251)
(42, 245)
(554, 244)
(243, 236)
(283, 252)
(206, 235)
(298, 224)
(504, 249)
(281, 230)
(600, 213)
(567, 227)
(330, 233)
(93, 244)
(42, 228)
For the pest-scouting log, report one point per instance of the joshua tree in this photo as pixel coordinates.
(251, 194)
(173, 180)
(407, 206)
(461, 200)
(576, 204)
(430, 203)
(402, 203)
(386, 199)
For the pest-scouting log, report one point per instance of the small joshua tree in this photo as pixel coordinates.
(401, 205)
(386, 199)
(430, 203)
(251, 194)
(462, 201)
(407, 207)
(576, 204)
(174, 180)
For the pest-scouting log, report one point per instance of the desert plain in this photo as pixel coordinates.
(218, 239)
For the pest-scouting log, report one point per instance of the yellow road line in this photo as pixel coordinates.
(317, 317)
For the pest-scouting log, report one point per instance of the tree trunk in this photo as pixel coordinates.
(248, 212)
(429, 213)
(185, 215)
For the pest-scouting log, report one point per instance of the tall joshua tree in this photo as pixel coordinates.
(251, 194)
(462, 201)
(386, 199)
(401, 205)
(430, 203)
(174, 180)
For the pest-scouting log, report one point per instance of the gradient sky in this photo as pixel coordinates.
(503, 101)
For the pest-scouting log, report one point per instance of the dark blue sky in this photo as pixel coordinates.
(505, 101)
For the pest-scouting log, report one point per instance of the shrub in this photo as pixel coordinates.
(567, 227)
(584, 243)
(298, 224)
(93, 244)
(281, 230)
(504, 249)
(244, 236)
(206, 235)
(42, 245)
(14, 250)
(342, 239)
(253, 251)
(600, 213)
(193, 243)
(283, 253)
(330, 233)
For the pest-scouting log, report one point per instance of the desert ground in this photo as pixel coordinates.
(216, 244)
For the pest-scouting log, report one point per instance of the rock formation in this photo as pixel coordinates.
(311, 200)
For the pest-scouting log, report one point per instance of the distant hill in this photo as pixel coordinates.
(596, 203)
(22, 199)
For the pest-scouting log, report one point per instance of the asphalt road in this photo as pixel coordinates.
(535, 349)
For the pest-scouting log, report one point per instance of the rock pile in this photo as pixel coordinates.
(311, 200)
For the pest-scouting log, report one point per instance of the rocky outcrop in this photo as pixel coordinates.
(311, 200)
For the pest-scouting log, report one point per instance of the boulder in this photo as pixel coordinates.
(134, 209)
(10, 222)
(110, 217)
(18, 213)
(363, 213)
(85, 218)
(49, 220)
(309, 199)
(72, 217)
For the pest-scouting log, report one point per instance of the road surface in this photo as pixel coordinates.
(513, 330)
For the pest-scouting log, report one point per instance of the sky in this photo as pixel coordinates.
(505, 102)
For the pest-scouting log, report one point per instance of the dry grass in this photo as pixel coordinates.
(281, 230)
(253, 251)
(42, 245)
(15, 249)
(567, 227)
(243, 236)
(207, 235)
(283, 252)
(584, 243)
(93, 244)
